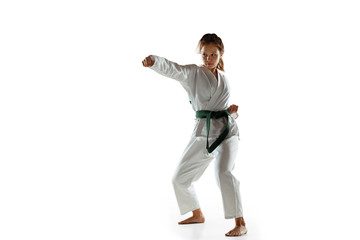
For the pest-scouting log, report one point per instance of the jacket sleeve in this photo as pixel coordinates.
(181, 73)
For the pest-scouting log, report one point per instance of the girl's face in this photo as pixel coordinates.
(210, 56)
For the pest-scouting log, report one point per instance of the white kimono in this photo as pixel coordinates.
(205, 93)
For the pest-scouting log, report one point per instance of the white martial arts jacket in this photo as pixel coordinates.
(205, 93)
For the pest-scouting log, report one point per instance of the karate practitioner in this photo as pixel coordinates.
(216, 134)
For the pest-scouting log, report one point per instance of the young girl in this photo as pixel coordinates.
(216, 134)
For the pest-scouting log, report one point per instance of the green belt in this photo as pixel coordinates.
(215, 115)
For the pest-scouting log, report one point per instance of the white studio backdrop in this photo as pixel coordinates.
(89, 138)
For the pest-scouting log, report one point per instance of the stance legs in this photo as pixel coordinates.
(193, 163)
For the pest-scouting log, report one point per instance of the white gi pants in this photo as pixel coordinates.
(194, 161)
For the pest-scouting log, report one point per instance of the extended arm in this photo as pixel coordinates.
(170, 69)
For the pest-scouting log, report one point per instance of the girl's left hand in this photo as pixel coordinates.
(233, 108)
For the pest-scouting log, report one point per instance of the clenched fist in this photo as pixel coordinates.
(148, 62)
(233, 108)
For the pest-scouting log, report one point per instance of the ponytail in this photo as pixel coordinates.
(220, 66)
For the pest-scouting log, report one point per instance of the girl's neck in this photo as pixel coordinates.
(214, 71)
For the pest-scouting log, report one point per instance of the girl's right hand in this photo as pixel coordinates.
(148, 62)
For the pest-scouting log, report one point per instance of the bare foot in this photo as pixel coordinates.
(197, 217)
(237, 231)
(193, 219)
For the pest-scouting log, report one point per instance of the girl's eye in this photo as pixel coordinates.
(213, 54)
(204, 55)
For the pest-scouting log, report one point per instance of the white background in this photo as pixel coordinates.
(89, 138)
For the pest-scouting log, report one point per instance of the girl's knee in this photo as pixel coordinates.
(222, 174)
(177, 179)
